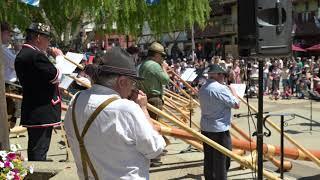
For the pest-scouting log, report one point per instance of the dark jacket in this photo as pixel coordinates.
(41, 104)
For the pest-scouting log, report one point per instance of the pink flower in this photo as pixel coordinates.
(16, 171)
(8, 164)
(16, 177)
(11, 156)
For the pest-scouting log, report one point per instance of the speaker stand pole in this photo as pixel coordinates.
(260, 121)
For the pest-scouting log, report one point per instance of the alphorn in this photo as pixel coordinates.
(185, 116)
(185, 93)
(287, 165)
(207, 140)
(268, 149)
(184, 82)
(213, 144)
(175, 95)
(301, 148)
(176, 98)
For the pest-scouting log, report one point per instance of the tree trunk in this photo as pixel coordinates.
(47, 21)
(4, 127)
(67, 33)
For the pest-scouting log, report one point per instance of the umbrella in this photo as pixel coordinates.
(297, 48)
(314, 48)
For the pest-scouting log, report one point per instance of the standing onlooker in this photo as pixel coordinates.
(41, 103)
(9, 74)
(237, 72)
(265, 78)
(276, 74)
(285, 82)
(216, 101)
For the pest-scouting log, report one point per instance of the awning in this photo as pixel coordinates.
(314, 48)
(297, 48)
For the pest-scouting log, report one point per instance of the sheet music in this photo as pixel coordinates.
(189, 74)
(65, 81)
(65, 66)
(240, 89)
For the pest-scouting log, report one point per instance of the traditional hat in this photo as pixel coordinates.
(39, 28)
(157, 47)
(215, 68)
(118, 61)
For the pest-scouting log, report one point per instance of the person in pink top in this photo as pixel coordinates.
(236, 72)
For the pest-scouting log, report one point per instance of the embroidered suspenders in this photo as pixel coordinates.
(85, 159)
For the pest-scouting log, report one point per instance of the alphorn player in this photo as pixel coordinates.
(216, 101)
(41, 103)
(108, 125)
(154, 72)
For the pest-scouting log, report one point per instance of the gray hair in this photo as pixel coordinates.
(106, 80)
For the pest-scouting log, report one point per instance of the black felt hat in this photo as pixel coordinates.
(215, 68)
(118, 61)
(39, 28)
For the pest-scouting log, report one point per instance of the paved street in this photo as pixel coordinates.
(189, 165)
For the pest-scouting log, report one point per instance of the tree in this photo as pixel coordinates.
(67, 16)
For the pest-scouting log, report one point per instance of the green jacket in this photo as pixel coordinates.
(154, 78)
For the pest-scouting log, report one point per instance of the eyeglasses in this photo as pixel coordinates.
(134, 81)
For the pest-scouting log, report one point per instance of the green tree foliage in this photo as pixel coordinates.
(129, 15)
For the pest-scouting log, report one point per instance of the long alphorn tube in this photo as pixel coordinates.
(212, 143)
(176, 98)
(184, 92)
(184, 82)
(238, 130)
(268, 149)
(185, 116)
(174, 102)
(301, 148)
(287, 165)
(175, 95)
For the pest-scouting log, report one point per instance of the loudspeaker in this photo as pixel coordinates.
(264, 27)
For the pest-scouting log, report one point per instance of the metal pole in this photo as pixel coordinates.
(281, 146)
(260, 122)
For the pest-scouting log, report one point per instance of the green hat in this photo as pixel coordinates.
(215, 68)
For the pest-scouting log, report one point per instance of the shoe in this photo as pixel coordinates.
(156, 164)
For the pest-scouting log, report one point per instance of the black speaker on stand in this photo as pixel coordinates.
(264, 30)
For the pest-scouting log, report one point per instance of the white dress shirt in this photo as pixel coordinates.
(120, 141)
(9, 58)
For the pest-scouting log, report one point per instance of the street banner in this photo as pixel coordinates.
(152, 2)
(32, 2)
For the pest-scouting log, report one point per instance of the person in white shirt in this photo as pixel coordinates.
(121, 140)
(10, 76)
(9, 57)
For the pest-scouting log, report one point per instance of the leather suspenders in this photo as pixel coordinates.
(85, 159)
